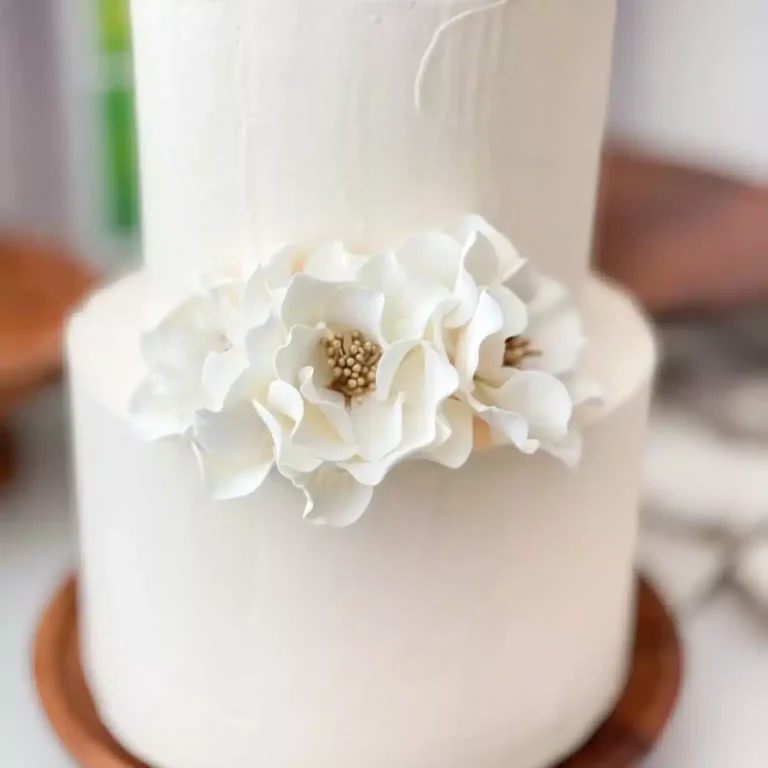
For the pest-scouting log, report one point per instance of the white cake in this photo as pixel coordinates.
(472, 616)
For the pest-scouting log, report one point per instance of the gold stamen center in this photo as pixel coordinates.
(517, 350)
(353, 361)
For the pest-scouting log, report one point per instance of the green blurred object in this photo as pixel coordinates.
(117, 118)
(114, 26)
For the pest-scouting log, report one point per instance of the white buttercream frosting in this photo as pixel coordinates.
(421, 620)
(270, 121)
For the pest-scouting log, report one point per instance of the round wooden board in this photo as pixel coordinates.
(627, 735)
(39, 286)
(7, 455)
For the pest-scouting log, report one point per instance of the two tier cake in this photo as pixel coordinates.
(358, 449)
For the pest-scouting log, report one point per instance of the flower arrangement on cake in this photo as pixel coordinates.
(334, 367)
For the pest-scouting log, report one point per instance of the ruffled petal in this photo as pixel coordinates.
(257, 299)
(389, 364)
(281, 267)
(285, 399)
(235, 450)
(334, 264)
(331, 403)
(341, 306)
(159, 411)
(583, 390)
(334, 497)
(292, 460)
(490, 257)
(487, 321)
(180, 342)
(262, 343)
(378, 427)
(568, 449)
(426, 380)
(432, 255)
(325, 429)
(221, 371)
(541, 399)
(491, 358)
(557, 332)
(300, 351)
(410, 300)
(465, 297)
(505, 426)
(456, 448)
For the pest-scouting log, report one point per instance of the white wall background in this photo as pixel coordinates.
(32, 184)
(691, 81)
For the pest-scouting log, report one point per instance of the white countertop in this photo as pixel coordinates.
(721, 721)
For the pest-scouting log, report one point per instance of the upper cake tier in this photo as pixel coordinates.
(265, 122)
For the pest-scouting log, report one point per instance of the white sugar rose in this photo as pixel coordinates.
(335, 367)
(176, 352)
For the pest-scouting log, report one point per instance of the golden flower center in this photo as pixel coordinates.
(353, 361)
(517, 350)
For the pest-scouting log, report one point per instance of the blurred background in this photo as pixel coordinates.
(682, 221)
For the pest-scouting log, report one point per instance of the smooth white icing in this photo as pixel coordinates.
(476, 617)
(432, 47)
(264, 121)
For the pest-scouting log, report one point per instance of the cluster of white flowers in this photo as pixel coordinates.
(334, 367)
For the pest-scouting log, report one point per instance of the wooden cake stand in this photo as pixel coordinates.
(627, 735)
(39, 286)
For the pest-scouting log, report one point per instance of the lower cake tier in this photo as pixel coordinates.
(477, 618)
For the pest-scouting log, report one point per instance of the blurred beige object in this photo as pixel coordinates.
(39, 285)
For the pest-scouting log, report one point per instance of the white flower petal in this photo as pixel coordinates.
(583, 390)
(474, 231)
(224, 310)
(568, 449)
(334, 264)
(302, 350)
(541, 399)
(506, 427)
(426, 380)
(432, 255)
(257, 299)
(261, 345)
(292, 460)
(560, 339)
(341, 306)
(465, 297)
(371, 473)
(160, 412)
(487, 321)
(235, 450)
(331, 404)
(410, 301)
(378, 427)
(455, 450)
(334, 497)
(220, 372)
(180, 342)
(389, 364)
(285, 399)
(316, 434)
(491, 357)
(281, 267)
(480, 260)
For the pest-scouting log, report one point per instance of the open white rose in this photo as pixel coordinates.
(176, 351)
(334, 367)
